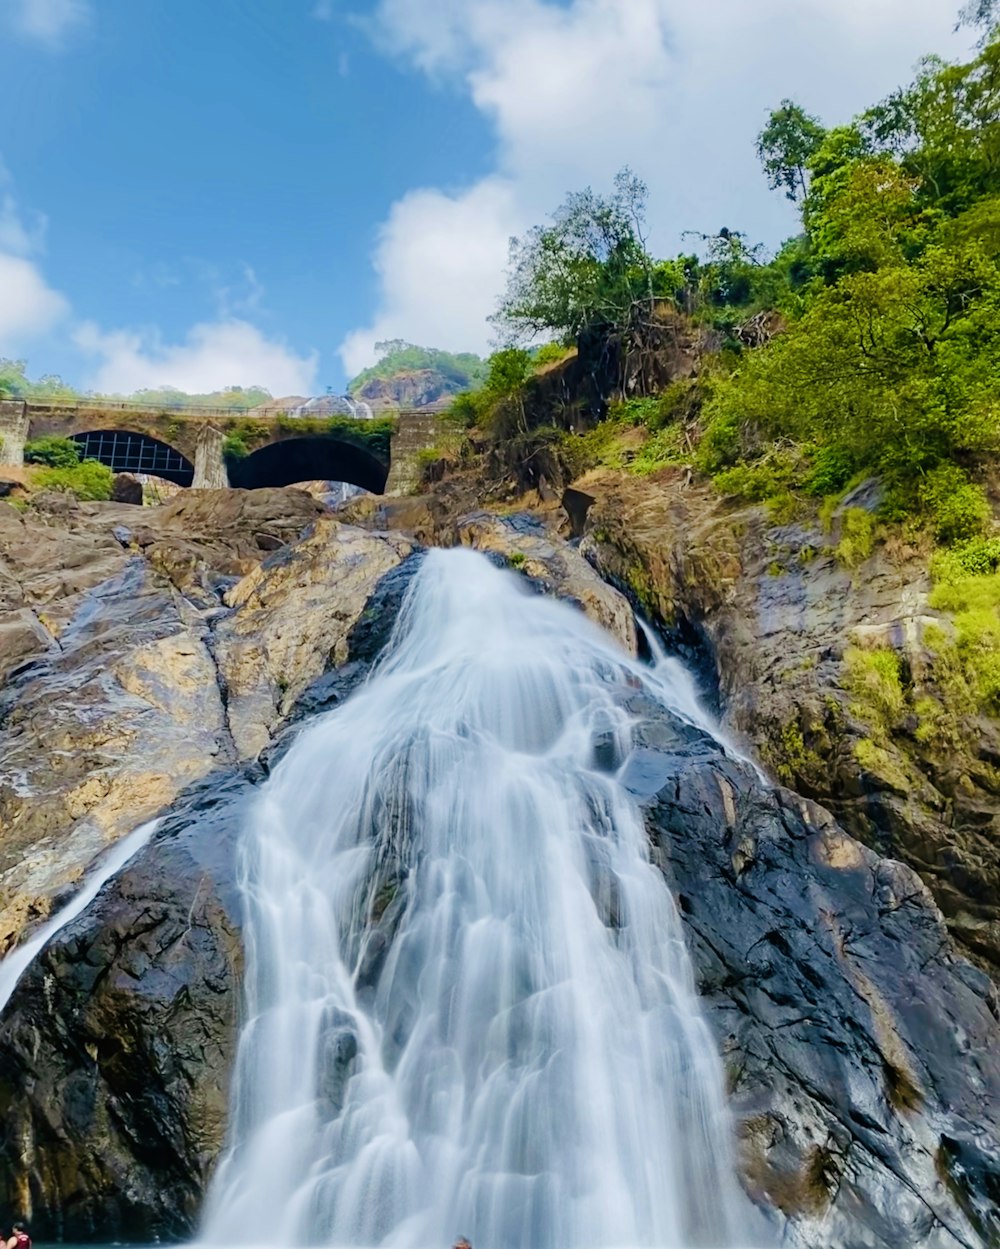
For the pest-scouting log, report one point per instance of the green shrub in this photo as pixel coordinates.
(857, 537)
(374, 435)
(958, 509)
(755, 482)
(467, 407)
(832, 468)
(87, 480)
(663, 447)
(550, 353)
(53, 452)
(979, 557)
(234, 447)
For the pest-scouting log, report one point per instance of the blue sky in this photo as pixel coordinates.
(213, 192)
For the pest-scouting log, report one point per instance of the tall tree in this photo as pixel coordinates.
(588, 268)
(785, 146)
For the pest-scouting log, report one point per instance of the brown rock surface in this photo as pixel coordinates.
(295, 613)
(111, 703)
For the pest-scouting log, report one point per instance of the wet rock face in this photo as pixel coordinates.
(772, 614)
(115, 1050)
(862, 1055)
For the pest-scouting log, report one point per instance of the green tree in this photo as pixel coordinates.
(785, 147)
(587, 269)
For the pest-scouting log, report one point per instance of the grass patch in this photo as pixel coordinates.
(857, 537)
(874, 678)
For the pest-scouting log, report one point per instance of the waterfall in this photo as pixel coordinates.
(110, 864)
(469, 1009)
(359, 409)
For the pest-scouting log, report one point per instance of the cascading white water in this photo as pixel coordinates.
(469, 1005)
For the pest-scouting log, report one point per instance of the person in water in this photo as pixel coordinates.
(19, 1238)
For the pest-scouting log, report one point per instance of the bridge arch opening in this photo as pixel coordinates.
(125, 451)
(309, 459)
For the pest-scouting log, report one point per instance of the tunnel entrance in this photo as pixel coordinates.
(309, 459)
(126, 452)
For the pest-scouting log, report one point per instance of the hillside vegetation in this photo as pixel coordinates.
(869, 345)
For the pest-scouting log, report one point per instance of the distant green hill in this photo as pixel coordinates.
(408, 376)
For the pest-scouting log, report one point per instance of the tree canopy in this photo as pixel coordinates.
(586, 269)
(890, 356)
(785, 147)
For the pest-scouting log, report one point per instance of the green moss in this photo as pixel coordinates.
(857, 537)
(517, 559)
(967, 661)
(874, 678)
(879, 763)
(795, 759)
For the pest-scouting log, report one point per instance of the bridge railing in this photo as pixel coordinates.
(260, 412)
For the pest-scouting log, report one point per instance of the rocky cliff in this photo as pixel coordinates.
(158, 661)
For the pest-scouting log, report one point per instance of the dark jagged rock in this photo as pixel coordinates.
(862, 1054)
(126, 489)
(116, 1047)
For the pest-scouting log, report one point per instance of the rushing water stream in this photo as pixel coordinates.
(469, 1008)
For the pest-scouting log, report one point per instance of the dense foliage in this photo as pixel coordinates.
(462, 371)
(53, 452)
(588, 268)
(87, 480)
(890, 353)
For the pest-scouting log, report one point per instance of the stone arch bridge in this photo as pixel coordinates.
(195, 447)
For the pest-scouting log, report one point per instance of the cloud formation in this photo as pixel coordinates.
(574, 91)
(29, 307)
(47, 22)
(212, 356)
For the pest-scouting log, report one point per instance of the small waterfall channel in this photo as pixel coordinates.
(469, 1008)
(13, 967)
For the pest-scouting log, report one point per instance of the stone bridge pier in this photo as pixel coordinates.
(14, 421)
(209, 462)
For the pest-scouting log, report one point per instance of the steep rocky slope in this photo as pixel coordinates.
(862, 1050)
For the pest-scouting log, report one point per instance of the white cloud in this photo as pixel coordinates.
(575, 90)
(213, 355)
(47, 21)
(19, 235)
(29, 307)
(437, 260)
